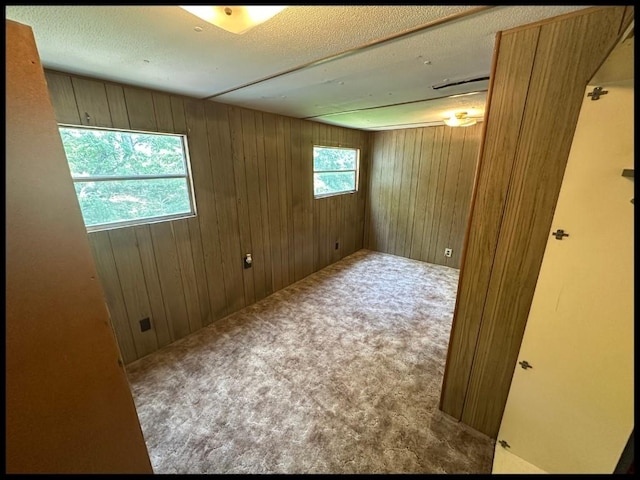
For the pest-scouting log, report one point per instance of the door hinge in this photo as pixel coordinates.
(559, 234)
(524, 364)
(597, 92)
(504, 444)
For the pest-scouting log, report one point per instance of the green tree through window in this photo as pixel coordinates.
(127, 177)
(335, 170)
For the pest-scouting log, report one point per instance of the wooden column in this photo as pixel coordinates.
(540, 73)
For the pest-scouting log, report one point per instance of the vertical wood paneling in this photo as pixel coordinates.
(140, 109)
(416, 191)
(436, 194)
(374, 207)
(289, 193)
(163, 114)
(106, 267)
(297, 200)
(195, 235)
(253, 185)
(424, 172)
(306, 182)
(159, 323)
(364, 140)
(405, 191)
(387, 190)
(207, 218)
(396, 188)
(466, 176)
(454, 160)
(240, 178)
(225, 201)
(283, 193)
(180, 230)
(173, 291)
(413, 191)
(273, 195)
(91, 98)
(508, 98)
(134, 287)
(264, 202)
(559, 77)
(117, 106)
(252, 179)
(63, 98)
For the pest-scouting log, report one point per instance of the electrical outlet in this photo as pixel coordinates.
(145, 324)
(447, 252)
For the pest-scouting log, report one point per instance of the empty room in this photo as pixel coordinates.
(319, 239)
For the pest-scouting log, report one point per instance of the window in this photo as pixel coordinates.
(335, 170)
(125, 177)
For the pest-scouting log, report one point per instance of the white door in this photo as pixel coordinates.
(572, 411)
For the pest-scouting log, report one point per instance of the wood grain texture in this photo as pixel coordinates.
(159, 324)
(417, 190)
(63, 98)
(568, 53)
(206, 208)
(134, 288)
(510, 85)
(173, 289)
(91, 99)
(106, 266)
(253, 184)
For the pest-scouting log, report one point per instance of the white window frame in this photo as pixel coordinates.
(357, 171)
(147, 220)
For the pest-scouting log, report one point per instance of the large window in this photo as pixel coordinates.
(335, 170)
(125, 177)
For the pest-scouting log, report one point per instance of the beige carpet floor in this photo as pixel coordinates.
(340, 372)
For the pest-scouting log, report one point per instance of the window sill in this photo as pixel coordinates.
(327, 195)
(138, 223)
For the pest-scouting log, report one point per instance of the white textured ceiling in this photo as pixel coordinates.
(369, 86)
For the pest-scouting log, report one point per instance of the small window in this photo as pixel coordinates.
(125, 177)
(335, 170)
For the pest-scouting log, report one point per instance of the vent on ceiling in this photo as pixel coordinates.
(460, 82)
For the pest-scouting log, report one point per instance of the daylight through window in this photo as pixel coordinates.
(335, 170)
(125, 177)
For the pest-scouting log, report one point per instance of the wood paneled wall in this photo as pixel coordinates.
(420, 191)
(252, 175)
(540, 74)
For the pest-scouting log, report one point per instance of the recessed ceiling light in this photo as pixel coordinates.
(427, 62)
(197, 28)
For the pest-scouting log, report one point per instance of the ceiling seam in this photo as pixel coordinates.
(357, 49)
(392, 105)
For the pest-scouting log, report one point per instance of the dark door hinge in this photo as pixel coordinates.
(597, 92)
(559, 234)
(524, 364)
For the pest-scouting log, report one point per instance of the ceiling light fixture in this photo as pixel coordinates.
(460, 119)
(235, 18)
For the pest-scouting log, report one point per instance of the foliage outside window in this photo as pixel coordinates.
(125, 177)
(335, 170)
